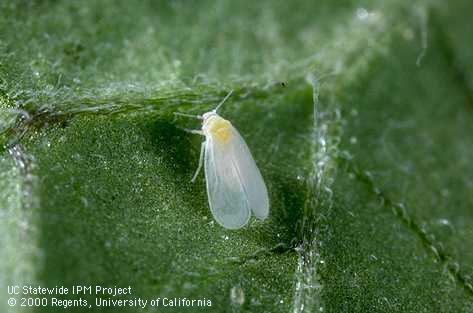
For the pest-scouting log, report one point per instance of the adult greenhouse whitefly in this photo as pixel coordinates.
(359, 115)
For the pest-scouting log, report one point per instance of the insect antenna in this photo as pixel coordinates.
(223, 101)
(188, 115)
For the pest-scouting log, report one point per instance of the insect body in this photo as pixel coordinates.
(235, 187)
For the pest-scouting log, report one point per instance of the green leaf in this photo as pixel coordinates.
(357, 114)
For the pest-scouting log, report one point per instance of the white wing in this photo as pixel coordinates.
(234, 183)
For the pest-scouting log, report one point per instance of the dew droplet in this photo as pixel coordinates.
(362, 13)
(445, 192)
(237, 296)
(408, 34)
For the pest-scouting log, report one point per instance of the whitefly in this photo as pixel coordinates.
(235, 187)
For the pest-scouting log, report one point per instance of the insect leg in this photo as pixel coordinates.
(193, 131)
(201, 161)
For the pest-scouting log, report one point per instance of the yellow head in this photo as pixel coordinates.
(217, 127)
